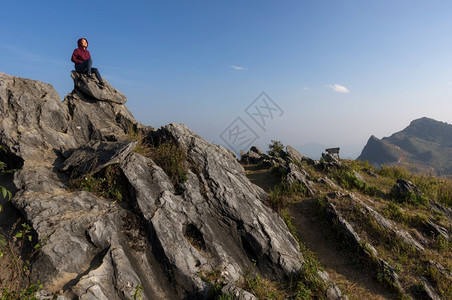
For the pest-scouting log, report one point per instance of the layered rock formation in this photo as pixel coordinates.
(164, 236)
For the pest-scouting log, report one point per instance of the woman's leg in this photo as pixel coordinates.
(96, 71)
(85, 66)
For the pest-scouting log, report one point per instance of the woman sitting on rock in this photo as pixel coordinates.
(83, 62)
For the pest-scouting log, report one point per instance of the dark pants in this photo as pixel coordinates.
(85, 67)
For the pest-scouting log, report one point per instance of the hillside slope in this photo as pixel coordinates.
(380, 234)
(425, 143)
(112, 209)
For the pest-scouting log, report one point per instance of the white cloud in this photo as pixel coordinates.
(305, 88)
(339, 88)
(238, 68)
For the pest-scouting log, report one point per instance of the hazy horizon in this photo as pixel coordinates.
(310, 74)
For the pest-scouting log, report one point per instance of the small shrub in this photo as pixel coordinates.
(216, 283)
(107, 183)
(262, 288)
(288, 219)
(302, 292)
(279, 195)
(394, 172)
(5, 193)
(393, 211)
(275, 148)
(442, 244)
(17, 250)
(348, 180)
(25, 294)
(172, 159)
(138, 291)
(413, 198)
(307, 281)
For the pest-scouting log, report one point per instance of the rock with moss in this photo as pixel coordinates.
(403, 187)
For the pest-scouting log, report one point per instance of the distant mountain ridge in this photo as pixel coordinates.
(425, 143)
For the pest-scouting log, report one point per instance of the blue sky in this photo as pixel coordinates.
(339, 70)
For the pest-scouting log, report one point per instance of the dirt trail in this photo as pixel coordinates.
(343, 266)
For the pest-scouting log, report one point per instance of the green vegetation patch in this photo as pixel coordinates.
(17, 250)
(281, 194)
(165, 152)
(216, 283)
(275, 148)
(346, 177)
(24, 294)
(108, 183)
(434, 188)
(172, 159)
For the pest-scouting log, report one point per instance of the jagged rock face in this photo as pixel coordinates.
(379, 152)
(33, 119)
(163, 238)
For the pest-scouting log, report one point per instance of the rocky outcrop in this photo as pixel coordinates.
(297, 157)
(404, 188)
(335, 217)
(91, 88)
(163, 236)
(298, 175)
(289, 163)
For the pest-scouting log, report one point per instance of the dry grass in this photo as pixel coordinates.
(409, 263)
(435, 188)
(262, 177)
(167, 154)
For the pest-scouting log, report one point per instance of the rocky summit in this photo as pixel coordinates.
(164, 234)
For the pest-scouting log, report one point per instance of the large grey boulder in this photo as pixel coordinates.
(296, 157)
(218, 221)
(89, 119)
(296, 174)
(91, 87)
(33, 119)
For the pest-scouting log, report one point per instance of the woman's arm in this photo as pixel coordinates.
(76, 57)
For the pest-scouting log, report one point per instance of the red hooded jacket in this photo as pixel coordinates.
(80, 54)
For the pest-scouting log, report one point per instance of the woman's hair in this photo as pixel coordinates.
(79, 42)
